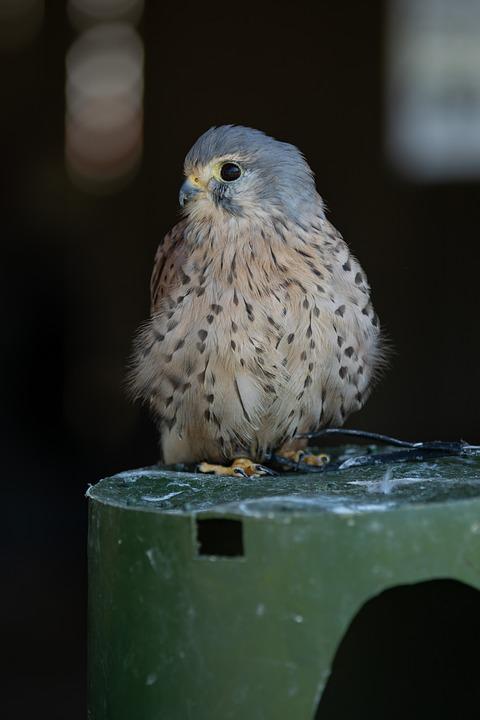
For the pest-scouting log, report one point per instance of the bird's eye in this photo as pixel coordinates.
(230, 171)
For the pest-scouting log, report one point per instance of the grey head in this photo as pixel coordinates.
(242, 171)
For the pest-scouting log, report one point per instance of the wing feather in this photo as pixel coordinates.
(160, 277)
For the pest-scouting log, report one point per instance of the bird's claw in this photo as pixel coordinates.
(264, 470)
(318, 459)
(239, 471)
(250, 468)
(240, 467)
(297, 458)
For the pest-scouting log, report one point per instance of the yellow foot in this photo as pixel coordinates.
(300, 456)
(240, 467)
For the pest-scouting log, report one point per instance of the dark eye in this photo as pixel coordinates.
(230, 172)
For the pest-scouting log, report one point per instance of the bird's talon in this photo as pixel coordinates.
(263, 470)
(295, 456)
(300, 457)
(240, 467)
(204, 467)
(318, 459)
(240, 472)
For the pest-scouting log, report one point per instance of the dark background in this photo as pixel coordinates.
(75, 272)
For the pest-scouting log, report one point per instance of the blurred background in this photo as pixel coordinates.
(100, 101)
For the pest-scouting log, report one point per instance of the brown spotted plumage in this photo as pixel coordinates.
(262, 325)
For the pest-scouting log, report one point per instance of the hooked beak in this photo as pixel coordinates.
(187, 191)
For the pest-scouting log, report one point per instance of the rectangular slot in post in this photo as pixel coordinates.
(220, 537)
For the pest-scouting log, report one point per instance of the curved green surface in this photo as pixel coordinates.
(179, 634)
(354, 489)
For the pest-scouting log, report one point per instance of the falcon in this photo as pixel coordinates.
(261, 324)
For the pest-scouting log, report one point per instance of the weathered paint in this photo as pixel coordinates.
(178, 635)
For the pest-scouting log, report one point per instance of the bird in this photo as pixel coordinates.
(261, 324)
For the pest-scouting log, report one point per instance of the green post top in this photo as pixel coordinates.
(350, 491)
(226, 598)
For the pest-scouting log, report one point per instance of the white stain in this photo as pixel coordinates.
(150, 553)
(342, 510)
(151, 679)
(160, 498)
(388, 483)
(177, 483)
(373, 507)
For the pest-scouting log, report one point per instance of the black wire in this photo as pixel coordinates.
(356, 433)
(410, 454)
(455, 446)
(414, 451)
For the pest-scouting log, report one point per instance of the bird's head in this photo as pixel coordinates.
(243, 172)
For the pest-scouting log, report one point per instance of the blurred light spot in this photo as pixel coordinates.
(20, 22)
(104, 116)
(433, 93)
(84, 13)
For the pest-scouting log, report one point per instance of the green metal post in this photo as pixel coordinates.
(222, 598)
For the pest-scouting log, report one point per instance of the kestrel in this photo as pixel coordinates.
(261, 322)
